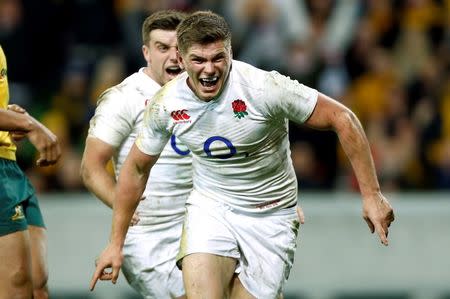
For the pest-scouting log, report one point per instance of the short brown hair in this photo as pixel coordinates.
(164, 20)
(202, 27)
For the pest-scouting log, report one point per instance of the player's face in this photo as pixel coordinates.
(208, 67)
(161, 56)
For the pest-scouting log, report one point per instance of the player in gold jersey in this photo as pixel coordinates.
(23, 239)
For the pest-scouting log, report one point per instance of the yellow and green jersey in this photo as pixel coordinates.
(7, 147)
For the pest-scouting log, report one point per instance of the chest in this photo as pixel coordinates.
(232, 126)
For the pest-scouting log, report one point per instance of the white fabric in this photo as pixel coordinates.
(244, 160)
(151, 246)
(117, 120)
(263, 244)
(149, 260)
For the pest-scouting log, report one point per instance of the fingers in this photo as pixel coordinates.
(370, 224)
(17, 135)
(49, 155)
(115, 273)
(107, 266)
(382, 233)
(301, 215)
(135, 219)
(16, 108)
(95, 277)
(103, 273)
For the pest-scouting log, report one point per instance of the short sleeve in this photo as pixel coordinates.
(154, 133)
(287, 98)
(113, 120)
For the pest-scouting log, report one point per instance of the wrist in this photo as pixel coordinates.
(371, 194)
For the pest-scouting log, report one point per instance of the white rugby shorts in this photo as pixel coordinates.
(149, 260)
(263, 244)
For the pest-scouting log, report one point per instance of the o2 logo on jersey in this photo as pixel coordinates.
(207, 147)
(179, 151)
(228, 144)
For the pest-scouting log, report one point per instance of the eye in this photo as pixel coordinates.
(219, 58)
(163, 48)
(197, 60)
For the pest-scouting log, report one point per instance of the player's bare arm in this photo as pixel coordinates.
(130, 187)
(17, 135)
(97, 179)
(17, 120)
(93, 171)
(11, 120)
(330, 114)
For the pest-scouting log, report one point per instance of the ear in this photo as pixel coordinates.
(146, 53)
(180, 60)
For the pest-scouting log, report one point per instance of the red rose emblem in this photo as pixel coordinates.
(239, 108)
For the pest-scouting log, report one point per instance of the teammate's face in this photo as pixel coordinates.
(161, 56)
(208, 67)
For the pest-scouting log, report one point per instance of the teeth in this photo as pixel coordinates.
(209, 81)
(173, 68)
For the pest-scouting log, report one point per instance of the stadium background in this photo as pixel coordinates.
(387, 60)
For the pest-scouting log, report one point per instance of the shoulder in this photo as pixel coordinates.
(247, 75)
(124, 93)
(172, 91)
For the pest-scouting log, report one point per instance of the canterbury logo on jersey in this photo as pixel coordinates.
(180, 116)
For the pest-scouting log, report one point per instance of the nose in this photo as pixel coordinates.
(173, 54)
(209, 67)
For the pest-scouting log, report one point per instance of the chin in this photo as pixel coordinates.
(207, 97)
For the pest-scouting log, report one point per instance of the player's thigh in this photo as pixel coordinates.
(238, 291)
(15, 265)
(38, 245)
(207, 275)
(38, 239)
(149, 263)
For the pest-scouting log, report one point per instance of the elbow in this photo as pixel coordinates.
(346, 120)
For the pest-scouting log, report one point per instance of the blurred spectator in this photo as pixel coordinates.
(387, 60)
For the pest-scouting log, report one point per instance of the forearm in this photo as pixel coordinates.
(13, 121)
(356, 146)
(130, 187)
(97, 179)
(99, 182)
(129, 191)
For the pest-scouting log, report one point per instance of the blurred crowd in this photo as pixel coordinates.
(387, 60)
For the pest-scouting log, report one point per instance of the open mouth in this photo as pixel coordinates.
(209, 82)
(173, 70)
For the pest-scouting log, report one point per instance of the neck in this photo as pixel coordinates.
(148, 72)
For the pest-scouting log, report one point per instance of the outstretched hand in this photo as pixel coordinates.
(379, 215)
(107, 266)
(46, 143)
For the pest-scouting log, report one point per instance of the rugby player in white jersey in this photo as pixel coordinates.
(240, 227)
(151, 245)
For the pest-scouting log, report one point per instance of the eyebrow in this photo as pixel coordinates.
(194, 56)
(159, 43)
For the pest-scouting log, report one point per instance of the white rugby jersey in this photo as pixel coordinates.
(239, 140)
(117, 121)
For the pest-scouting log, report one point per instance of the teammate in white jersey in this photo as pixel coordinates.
(240, 227)
(152, 244)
